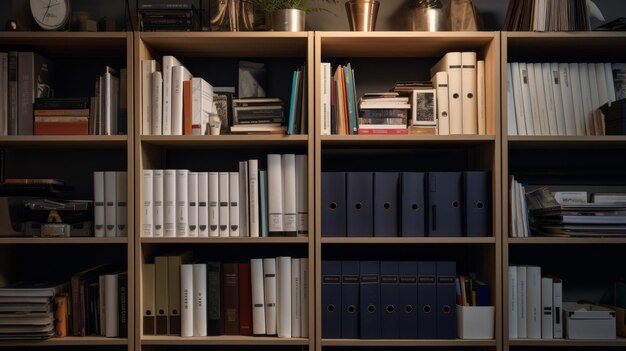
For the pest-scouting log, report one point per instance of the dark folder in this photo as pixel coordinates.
(407, 299)
(369, 300)
(389, 322)
(446, 300)
(214, 301)
(360, 213)
(477, 203)
(427, 300)
(331, 299)
(444, 204)
(412, 210)
(333, 204)
(350, 299)
(386, 203)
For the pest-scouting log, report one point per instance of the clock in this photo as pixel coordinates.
(50, 14)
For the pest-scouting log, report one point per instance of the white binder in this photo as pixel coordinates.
(199, 300)
(296, 300)
(258, 296)
(182, 203)
(451, 63)
(283, 296)
(214, 203)
(224, 203)
(99, 204)
(146, 204)
(192, 205)
(203, 204)
(468, 81)
(234, 208)
(110, 201)
(157, 201)
(169, 202)
(289, 195)
(275, 194)
(187, 299)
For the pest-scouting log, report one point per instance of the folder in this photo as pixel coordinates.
(121, 208)
(333, 204)
(224, 205)
(389, 296)
(257, 296)
(446, 300)
(186, 293)
(149, 308)
(243, 196)
(213, 295)
(283, 296)
(157, 200)
(386, 203)
(369, 300)
(547, 325)
(275, 194)
(110, 211)
(169, 202)
(146, 204)
(451, 64)
(160, 294)
(203, 204)
(427, 300)
(174, 283)
(468, 83)
(360, 213)
(253, 201)
(331, 299)
(477, 200)
(234, 205)
(444, 204)
(350, 299)
(413, 205)
(440, 83)
(407, 300)
(99, 204)
(290, 227)
(296, 298)
(199, 299)
(192, 205)
(214, 204)
(269, 284)
(182, 203)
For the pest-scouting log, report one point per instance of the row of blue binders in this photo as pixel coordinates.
(406, 204)
(388, 300)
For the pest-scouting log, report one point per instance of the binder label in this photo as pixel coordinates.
(426, 279)
(350, 279)
(369, 278)
(408, 280)
(389, 279)
(331, 279)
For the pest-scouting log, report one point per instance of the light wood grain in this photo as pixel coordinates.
(619, 342)
(406, 343)
(222, 340)
(63, 241)
(62, 141)
(408, 240)
(66, 341)
(239, 141)
(233, 240)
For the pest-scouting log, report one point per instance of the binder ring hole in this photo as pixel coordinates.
(408, 308)
(390, 308)
(414, 206)
(175, 312)
(330, 308)
(358, 205)
(444, 114)
(456, 204)
(333, 205)
(351, 309)
(161, 312)
(480, 205)
(149, 313)
(427, 308)
(470, 95)
(371, 308)
(446, 309)
(387, 205)
(455, 96)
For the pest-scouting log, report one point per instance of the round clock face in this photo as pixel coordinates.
(50, 14)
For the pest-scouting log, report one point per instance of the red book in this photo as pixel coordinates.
(362, 131)
(187, 107)
(230, 317)
(245, 299)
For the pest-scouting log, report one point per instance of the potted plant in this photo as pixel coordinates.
(285, 15)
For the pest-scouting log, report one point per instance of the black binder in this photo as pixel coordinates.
(331, 299)
(477, 186)
(350, 299)
(407, 300)
(389, 322)
(427, 300)
(333, 204)
(360, 213)
(369, 300)
(446, 300)
(444, 204)
(386, 203)
(412, 204)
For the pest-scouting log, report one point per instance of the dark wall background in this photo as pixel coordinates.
(390, 16)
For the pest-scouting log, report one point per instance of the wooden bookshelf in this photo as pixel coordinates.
(65, 141)
(62, 241)
(236, 340)
(360, 343)
(73, 341)
(409, 240)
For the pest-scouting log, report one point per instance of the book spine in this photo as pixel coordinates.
(182, 203)
(13, 94)
(147, 209)
(169, 203)
(122, 284)
(214, 217)
(157, 202)
(121, 198)
(187, 296)
(192, 205)
(98, 204)
(275, 194)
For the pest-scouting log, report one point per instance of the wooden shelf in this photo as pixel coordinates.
(566, 240)
(399, 140)
(223, 141)
(619, 342)
(222, 340)
(62, 241)
(410, 240)
(66, 341)
(234, 240)
(562, 46)
(63, 141)
(68, 44)
(410, 342)
(567, 142)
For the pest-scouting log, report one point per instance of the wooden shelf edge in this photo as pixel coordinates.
(243, 140)
(67, 341)
(65, 35)
(567, 342)
(234, 240)
(566, 240)
(409, 240)
(407, 138)
(60, 241)
(222, 340)
(408, 342)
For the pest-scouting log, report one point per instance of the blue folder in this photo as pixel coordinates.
(369, 300)
(333, 204)
(412, 210)
(350, 299)
(360, 213)
(386, 203)
(427, 300)
(446, 300)
(331, 299)
(445, 216)
(389, 322)
(407, 299)
(477, 187)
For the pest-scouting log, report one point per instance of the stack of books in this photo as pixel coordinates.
(61, 116)
(258, 115)
(548, 15)
(168, 16)
(383, 113)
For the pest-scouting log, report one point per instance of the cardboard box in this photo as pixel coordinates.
(475, 322)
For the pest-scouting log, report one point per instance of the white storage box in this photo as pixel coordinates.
(475, 322)
(586, 321)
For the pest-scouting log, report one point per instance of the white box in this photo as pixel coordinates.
(586, 321)
(475, 322)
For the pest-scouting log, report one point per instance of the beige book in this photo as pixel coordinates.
(161, 294)
(173, 296)
(148, 299)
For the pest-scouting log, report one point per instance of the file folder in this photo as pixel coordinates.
(427, 300)
(333, 204)
(350, 299)
(444, 204)
(369, 300)
(412, 208)
(389, 322)
(386, 204)
(331, 299)
(446, 300)
(360, 213)
(477, 186)
(407, 299)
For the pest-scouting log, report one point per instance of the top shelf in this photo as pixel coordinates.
(399, 140)
(75, 44)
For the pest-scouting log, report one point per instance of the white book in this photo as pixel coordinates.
(304, 297)
(111, 303)
(146, 204)
(121, 208)
(557, 307)
(203, 204)
(546, 309)
(290, 227)
(522, 324)
(451, 63)
(558, 99)
(201, 105)
(325, 105)
(513, 308)
(468, 81)
(526, 99)
(533, 301)
(98, 204)
(283, 296)
(147, 68)
(168, 63)
(480, 97)
(549, 97)
(440, 83)
(186, 297)
(577, 99)
(169, 202)
(4, 94)
(513, 208)
(595, 97)
(258, 296)
(302, 195)
(111, 103)
(568, 102)
(275, 194)
(224, 202)
(192, 205)
(603, 94)
(234, 208)
(610, 86)
(244, 210)
(534, 99)
(110, 201)
(199, 300)
(269, 286)
(182, 203)
(157, 201)
(296, 301)
(253, 198)
(179, 75)
(542, 107)
(157, 103)
(214, 204)
(586, 98)
(518, 100)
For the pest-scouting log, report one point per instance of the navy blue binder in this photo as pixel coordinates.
(445, 217)
(407, 299)
(427, 300)
(333, 204)
(412, 208)
(386, 203)
(369, 300)
(389, 322)
(477, 202)
(446, 300)
(331, 299)
(350, 299)
(360, 196)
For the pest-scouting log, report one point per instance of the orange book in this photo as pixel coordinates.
(62, 112)
(187, 122)
(61, 128)
(60, 315)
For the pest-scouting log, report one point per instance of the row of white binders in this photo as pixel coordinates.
(110, 204)
(249, 203)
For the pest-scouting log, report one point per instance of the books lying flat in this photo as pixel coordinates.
(45, 289)
(258, 128)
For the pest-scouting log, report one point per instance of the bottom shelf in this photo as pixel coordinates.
(567, 342)
(221, 340)
(67, 341)
(406, 342)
